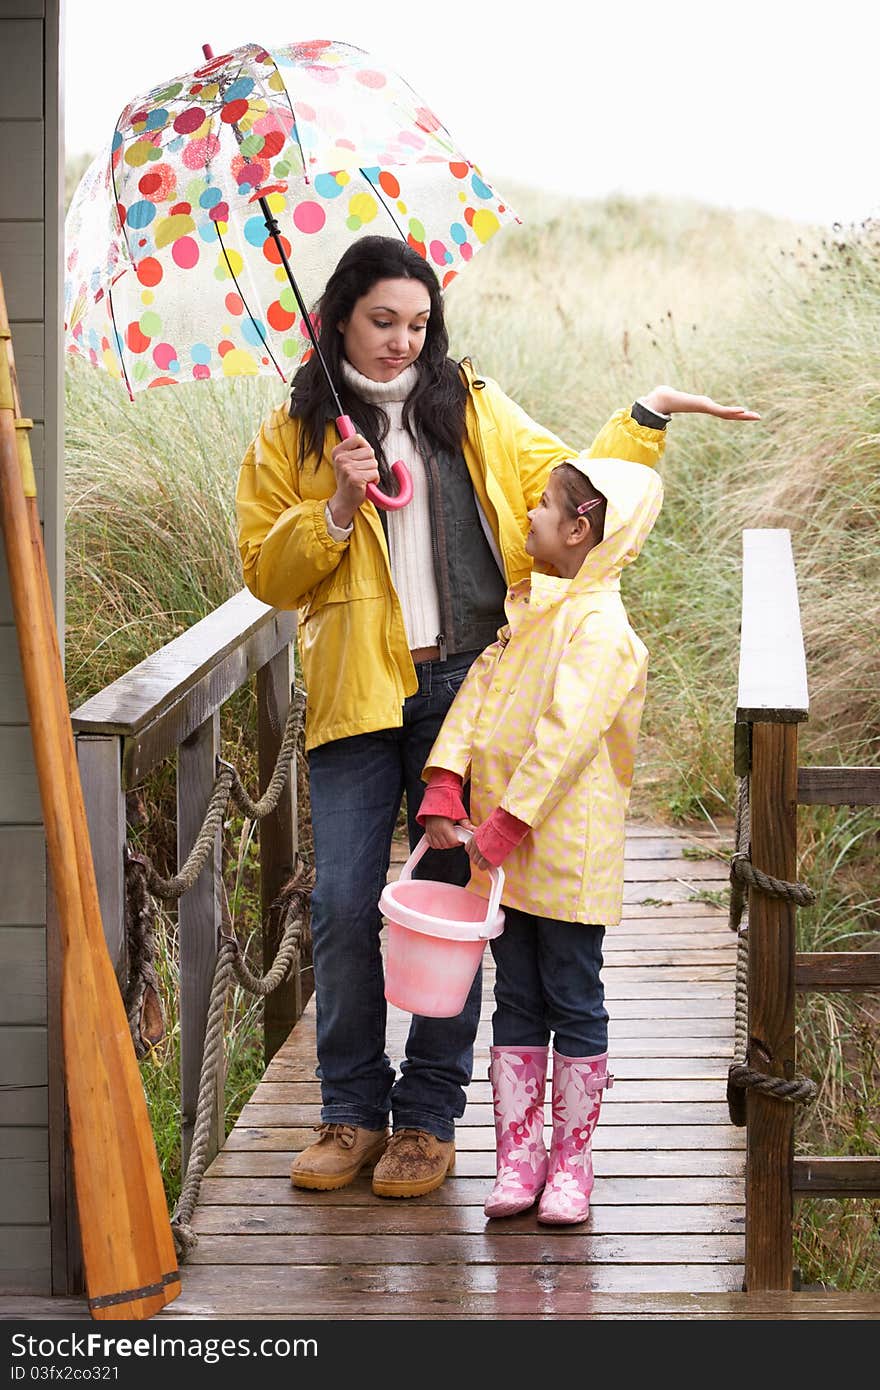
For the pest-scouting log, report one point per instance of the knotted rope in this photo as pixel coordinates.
(230, 961)
(294, 899)
(228, 785)
(744, 876)
(143, 1001)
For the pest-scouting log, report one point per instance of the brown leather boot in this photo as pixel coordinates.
(413, 1163)
(337, 1157)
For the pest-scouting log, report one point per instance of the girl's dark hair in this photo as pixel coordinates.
(577, 489)
(435, 408)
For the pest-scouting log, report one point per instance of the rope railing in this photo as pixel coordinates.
(745, 877)
(230, 965)
(229, 786)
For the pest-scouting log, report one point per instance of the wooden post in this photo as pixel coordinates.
(772, 700)
(772, 932)
(100, 769)
(198, 925)
(278, 839)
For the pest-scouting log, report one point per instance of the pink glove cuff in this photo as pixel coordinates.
(442, 797)
(498, 835)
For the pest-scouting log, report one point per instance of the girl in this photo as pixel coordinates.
(546, 725)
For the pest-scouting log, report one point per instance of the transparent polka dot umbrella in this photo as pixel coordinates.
(199, 238)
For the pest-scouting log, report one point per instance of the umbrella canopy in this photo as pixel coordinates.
(171, 272)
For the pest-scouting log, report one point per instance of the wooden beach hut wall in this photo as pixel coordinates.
(33, 1205)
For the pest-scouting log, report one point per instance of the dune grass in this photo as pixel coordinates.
(576, 313)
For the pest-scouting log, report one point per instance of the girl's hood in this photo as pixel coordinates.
(635, 495)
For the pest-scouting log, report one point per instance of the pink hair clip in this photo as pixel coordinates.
(588, 506)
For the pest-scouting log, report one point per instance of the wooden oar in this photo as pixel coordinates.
(128, 1249)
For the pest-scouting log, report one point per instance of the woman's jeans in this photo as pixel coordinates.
(356, 787)
(548, 980)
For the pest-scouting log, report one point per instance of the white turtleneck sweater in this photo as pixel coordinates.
(409, 530)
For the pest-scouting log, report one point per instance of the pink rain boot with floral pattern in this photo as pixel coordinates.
(519, 1077)
(578, 1083)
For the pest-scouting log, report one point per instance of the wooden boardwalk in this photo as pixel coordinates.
(665, 1234)
(667, 1214)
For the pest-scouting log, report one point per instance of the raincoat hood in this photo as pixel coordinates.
(635, 495)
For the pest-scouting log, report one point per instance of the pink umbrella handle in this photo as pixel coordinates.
(399, 471)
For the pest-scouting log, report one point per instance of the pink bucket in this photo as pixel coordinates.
(437, 933)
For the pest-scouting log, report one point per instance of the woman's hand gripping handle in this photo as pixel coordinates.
(398, 469)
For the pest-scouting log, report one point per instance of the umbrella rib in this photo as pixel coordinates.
(378, 193)
(250, 315)
(116, 203)
(118, 341)
(302, 153)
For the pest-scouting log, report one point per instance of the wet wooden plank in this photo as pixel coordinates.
(461, 1192)
(666, 869)
(489, 1249)
(624, 1046)
(480, 1094)
(493, 1304)
(255, 1159)
(723, 829)
(706, 922)
(317, 1221)
(685, 936)
(626, 1113)
(695, 950)
(316, 1290)
(663, 911)
(477, 1143)
(687, 848)
(625, 1068)
(649, 892)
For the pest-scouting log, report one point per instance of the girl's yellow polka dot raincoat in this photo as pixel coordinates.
(547, 720)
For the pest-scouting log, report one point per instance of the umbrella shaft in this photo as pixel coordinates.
(274, 232)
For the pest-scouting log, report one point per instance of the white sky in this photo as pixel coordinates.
(769, 104)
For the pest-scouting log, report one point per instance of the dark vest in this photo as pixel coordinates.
(470, 585)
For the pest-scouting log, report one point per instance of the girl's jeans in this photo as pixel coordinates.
(548, 979)
(356, 787)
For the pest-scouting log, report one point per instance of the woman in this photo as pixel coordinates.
(393, 609)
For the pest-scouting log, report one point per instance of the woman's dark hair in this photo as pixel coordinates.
(435, 408)
(577, 489)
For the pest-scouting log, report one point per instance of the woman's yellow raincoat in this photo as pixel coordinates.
(547, 719)
(352, 641)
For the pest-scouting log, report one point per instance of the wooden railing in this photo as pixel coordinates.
(771, 703)
(169, 707)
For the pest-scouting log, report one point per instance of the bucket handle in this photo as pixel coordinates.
(496, 875)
